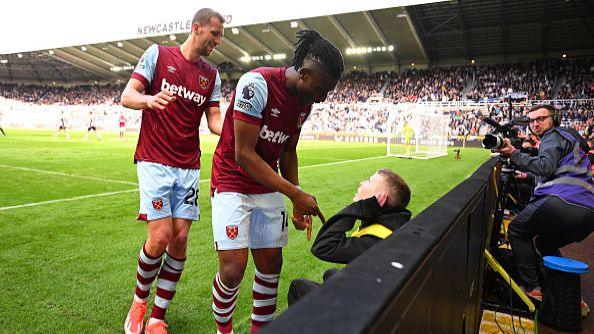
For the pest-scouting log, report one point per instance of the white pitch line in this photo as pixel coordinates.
(135, 184)
(343, 162)
(4, 208)
(70, 175)
(323, 158)
(337, 147)
(134, 190)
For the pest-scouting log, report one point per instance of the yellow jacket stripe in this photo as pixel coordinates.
(376, 230)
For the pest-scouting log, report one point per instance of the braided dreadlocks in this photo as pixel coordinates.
(312, 46)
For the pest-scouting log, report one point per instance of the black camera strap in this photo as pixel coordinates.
(575, 134)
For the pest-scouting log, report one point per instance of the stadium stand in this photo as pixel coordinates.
(346, 110)
(536, 79)
(437, 84)
(227, 87)
(494, 82)
(578, 82)
(358, 86)
(55, 95)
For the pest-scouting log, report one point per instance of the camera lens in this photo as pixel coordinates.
(493, 141)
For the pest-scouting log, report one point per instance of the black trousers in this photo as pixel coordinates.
(548, 223)
(301, 286)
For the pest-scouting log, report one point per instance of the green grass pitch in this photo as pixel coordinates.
(68, 265)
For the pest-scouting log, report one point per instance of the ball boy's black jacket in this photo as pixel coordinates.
(332, 243)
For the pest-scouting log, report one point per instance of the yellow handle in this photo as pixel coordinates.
(495, 265)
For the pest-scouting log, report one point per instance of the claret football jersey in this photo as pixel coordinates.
(170, 136)
(261, 98)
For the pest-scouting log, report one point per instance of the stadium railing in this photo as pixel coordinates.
(426, 277)
(481, 104)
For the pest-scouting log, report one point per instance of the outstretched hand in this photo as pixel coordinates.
(304, 207)
(305, 204)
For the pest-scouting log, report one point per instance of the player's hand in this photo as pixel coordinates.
(160, 100)
(302, 222)
(305, 204)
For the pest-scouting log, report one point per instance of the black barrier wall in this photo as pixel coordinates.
(425, 278)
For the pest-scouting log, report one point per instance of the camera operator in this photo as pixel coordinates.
(561, 209)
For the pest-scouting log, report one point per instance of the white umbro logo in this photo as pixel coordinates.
(171, 69)
(275, 112)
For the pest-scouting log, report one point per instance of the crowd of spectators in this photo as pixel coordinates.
(227, 87)
(358, 86)
(435, 84)
(466, 122)
(345, 109)
(57, 95)
(485, 83)
(28, 93)
(578, 115)
(579, 80)
(371, 119)
(469, 122)
(535, 79)
(356, 118)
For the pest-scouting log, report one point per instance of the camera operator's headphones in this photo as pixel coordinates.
(556, 115)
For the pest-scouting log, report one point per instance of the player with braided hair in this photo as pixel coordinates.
(259, 138)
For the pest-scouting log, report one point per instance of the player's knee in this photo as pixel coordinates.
(272, 265)
(180, 240)
(276, 264)
(231, 274)
(160, 240)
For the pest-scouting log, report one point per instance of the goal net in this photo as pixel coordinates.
(417, 131)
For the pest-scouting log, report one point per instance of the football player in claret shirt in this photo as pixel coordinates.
(260, 134)
(174, 87)
(122, 122)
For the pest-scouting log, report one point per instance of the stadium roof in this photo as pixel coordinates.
(427, 33)
(471, 28)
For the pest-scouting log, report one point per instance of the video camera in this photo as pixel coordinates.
(495, 139)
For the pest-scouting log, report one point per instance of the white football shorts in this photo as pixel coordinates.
(249, 220)
(167, 191)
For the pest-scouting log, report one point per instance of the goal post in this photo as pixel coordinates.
(418, 131)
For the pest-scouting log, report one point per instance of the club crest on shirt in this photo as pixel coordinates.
(203, 82)
(158, 204)
(301, 119)
(171, 69)
(275, 112)
(140, 64)
(232, 231)
(248, 91)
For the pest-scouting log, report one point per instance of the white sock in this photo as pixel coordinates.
(138, 300)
